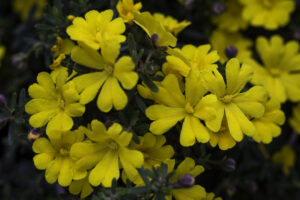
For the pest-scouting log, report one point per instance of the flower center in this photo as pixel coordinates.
(109, 69)
(61, 103)
(189, 108)
(275, 72)
(113, 145)
(226, 99)
(64, 152)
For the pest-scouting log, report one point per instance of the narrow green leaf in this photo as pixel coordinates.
(148, 82)
(140, 103)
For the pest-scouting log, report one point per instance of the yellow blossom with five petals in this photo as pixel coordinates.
(104, 152)
(173, 106)
(270, 14)
(97, 28)
(279, 72)
(233, 104)
(55, 101)
(53, 155)
(107, 77)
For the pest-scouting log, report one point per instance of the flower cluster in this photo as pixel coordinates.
(211, 93)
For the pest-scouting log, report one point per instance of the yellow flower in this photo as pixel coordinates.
(231, 20)
(54, 101)
(222, 138)
(268, 126)
(186, 167)
(81, 187)
(154, 27)
(53, 155)
(107, 77)
(294, 121)
(97, 28)
(126, 8)
(190, 57)
(172, 106)
(24, 7)
(154, 151)
(285, 157)
(270, 14)
(221, 39)
(104, 152)
(237, 106)
(63, 46)
(170, 24)
(2, 52)
(281, 64)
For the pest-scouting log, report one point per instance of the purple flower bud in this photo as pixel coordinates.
(231, 51)
(33, 135)
(218, 8)
(187, 181)
(229, 164)
(2, 100)
(18, 60)
(154, 39)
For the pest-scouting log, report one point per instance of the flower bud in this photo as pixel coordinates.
(187, 181)
(154, 39)
(231, 51)
(2, 100)
(229, 164)
(218, 8)
(18, 60)
(33, 135)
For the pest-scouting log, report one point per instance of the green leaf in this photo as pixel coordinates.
(21, 102)
(143, 174)
(13, 102)
(11, 133)
(140, 103)
(132, 47)
(148, 82)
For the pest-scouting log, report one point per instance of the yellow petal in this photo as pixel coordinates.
(66, 172)
(192, 128)
(165, 117)
(124, 72)
(106, 170)
(53, 170)
(61, 122)
(41, 161)
(130, 160)
(40, 119)
(111, 95)
(87, 57)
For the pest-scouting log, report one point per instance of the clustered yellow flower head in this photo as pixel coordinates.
(278, 72)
